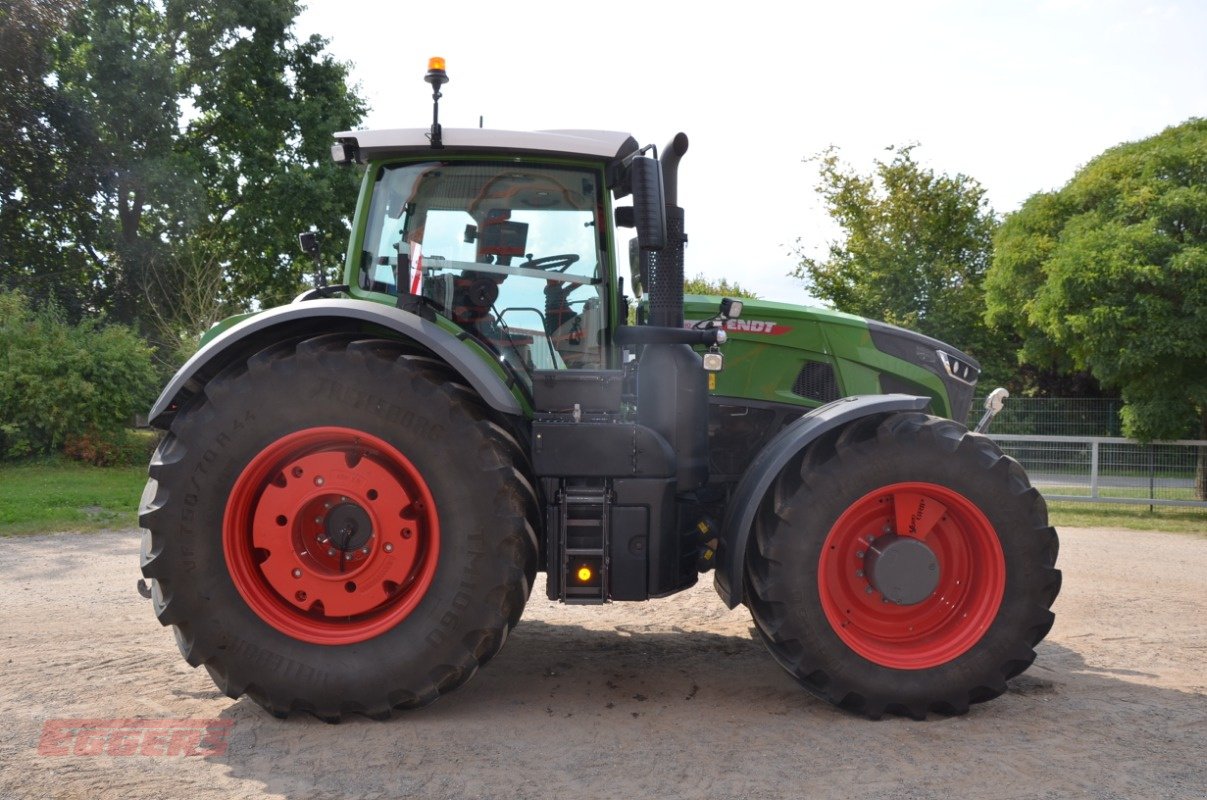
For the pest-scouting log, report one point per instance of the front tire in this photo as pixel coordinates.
(338, 526)
(903, 565)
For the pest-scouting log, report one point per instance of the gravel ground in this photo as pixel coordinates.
(673, 698)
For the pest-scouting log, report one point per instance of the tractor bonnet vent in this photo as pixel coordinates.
(816, 381)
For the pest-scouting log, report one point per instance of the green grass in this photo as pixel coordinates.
(1170, 519)
(1131, 492)
(53, 496)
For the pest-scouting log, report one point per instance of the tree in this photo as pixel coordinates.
(914, 252)
(47, 171)
(269, 106)
(204, 133)
(117, 64)
(1110, 273)
(722, 288)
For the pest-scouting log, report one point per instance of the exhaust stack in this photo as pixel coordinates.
(665, 267)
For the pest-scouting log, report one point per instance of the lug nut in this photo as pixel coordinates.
(318, 520)
(318, 480)
(869, 590)
(297, 573)
(858, 573)
(388, 547)
(365, 550)
(859, 554)
(330, 551)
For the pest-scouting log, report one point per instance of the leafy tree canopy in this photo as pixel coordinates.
(193, 137)
(1109, 274)
(47, 169)
(723, 288)
(914, 250)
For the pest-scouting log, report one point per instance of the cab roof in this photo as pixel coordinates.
(364, 146)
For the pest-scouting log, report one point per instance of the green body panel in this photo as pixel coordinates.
(221, 326)
(771, 343)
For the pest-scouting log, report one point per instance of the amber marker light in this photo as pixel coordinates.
(584, 574)
(436, 75)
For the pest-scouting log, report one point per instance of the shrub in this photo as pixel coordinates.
(61, 383)
(123, 449)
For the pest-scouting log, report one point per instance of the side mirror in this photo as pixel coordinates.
(309, 241)
(996, 400)
(994, 404)
(649, 202)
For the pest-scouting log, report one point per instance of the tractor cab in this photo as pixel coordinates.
(514, 254)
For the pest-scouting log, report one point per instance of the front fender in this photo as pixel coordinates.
(753, 487)
(326, 316)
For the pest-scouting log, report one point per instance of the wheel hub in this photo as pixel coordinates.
(911, 575)
(904, 570)
(348, 527)
(331, 536)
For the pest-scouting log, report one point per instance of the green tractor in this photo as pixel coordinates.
(356, 491)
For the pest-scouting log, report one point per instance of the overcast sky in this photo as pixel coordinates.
(1017, 94)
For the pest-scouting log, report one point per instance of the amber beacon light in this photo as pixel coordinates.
(435, 71)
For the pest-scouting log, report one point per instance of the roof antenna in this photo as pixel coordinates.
(437, 77)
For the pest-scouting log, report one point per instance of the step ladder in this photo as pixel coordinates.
(583, 543)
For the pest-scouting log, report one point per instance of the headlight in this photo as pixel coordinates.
(960, 369)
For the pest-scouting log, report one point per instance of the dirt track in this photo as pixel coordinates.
(668, 699)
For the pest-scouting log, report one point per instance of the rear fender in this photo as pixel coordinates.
(757, 480)
(317, 317)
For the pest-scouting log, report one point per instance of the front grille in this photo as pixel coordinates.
(816, 381)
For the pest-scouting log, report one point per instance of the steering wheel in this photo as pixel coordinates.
(559, 263)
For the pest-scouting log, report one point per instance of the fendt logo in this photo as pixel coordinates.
(759, 326)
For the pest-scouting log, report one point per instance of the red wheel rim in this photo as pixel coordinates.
(331, 535)
(972, 577)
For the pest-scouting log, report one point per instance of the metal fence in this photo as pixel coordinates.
(1054, 416)
(1101, 469)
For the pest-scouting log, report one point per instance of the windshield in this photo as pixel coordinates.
(510, 252)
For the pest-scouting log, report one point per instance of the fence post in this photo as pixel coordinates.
(1152, 475)
(1094, 468)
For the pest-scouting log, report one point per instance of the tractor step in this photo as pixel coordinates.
(582, 552)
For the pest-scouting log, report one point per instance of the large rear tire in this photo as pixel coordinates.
(338, 526)
(903, 565)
